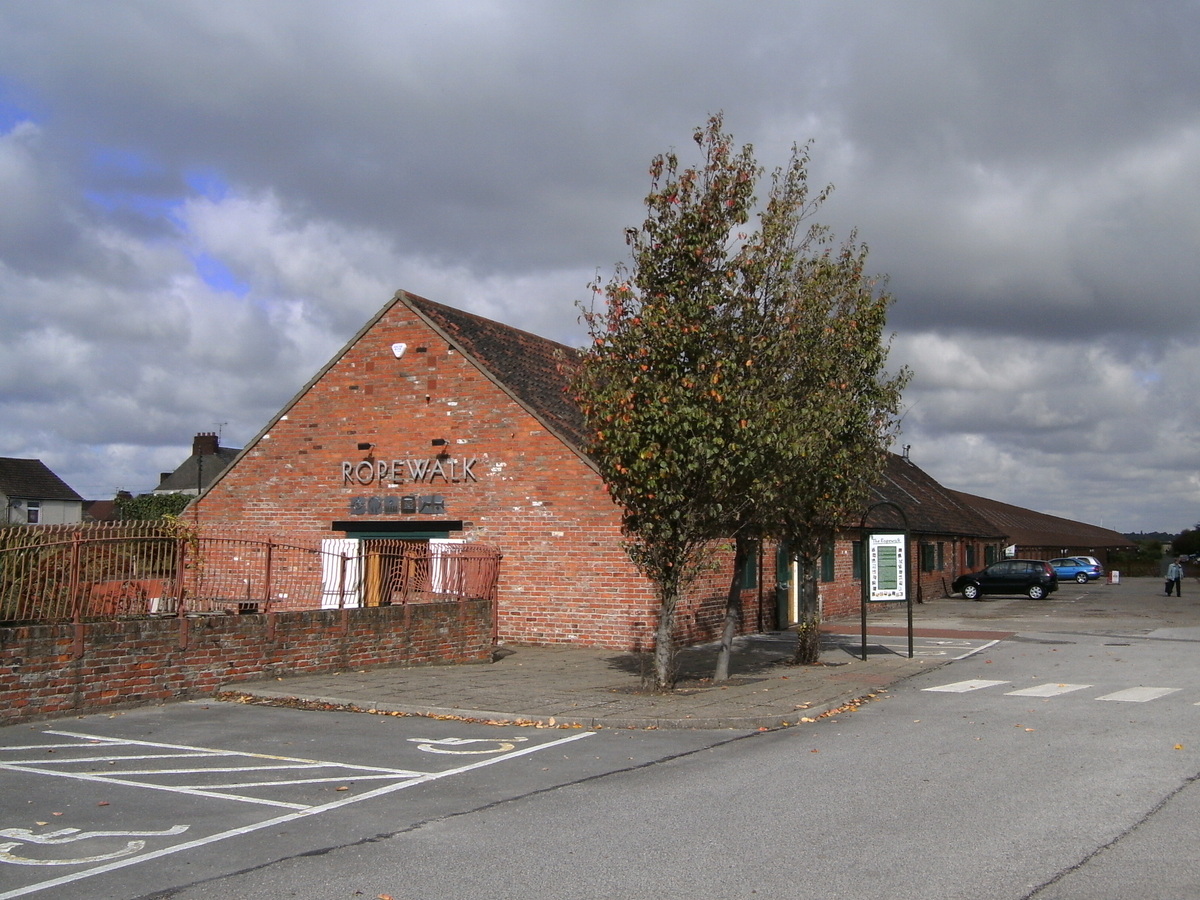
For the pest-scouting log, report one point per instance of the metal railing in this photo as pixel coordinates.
(95, 572)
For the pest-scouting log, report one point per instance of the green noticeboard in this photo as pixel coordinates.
(887, 579)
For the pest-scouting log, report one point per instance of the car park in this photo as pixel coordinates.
(1076, 568)
(1033, 577)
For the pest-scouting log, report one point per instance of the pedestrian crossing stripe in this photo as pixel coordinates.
(962, 687)
(1139, 694)
(1053, 689)
(1047, 690)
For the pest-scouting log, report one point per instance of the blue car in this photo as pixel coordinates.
(1074, 568)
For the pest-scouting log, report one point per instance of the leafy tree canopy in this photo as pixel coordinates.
(148, 507)
(1187, 542)
(735, 382)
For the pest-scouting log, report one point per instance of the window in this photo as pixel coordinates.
(856, 564)
(927, 557)
(970, 557)
(827, 570)
(941, 556)
(750, 575)
(33, 512)
(783, 563)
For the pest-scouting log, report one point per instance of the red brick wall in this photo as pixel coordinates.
(564, 578)
(843, 596)
(42, 672)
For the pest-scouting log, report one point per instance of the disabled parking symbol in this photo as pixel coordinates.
(457, 745)
(23, 836)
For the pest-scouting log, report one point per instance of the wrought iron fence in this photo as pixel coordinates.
(74, 573)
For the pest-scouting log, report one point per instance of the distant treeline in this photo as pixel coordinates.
(1162, 536)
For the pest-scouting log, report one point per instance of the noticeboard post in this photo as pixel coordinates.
(885, 578)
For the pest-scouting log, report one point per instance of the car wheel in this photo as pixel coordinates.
(971, 591)
(1082, 578)
(1036, 592)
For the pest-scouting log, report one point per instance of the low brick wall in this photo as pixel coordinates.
(48, 670)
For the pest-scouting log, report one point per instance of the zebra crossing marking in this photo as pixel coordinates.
(962, 687)
(1138, 694)
(1047, 690)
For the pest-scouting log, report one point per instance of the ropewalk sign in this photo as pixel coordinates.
(885, 579)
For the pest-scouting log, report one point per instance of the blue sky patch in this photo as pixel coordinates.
(218, 276)
(208, 183)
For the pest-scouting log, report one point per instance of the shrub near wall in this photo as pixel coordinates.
(50, 670)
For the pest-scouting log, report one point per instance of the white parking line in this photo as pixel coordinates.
(1047, 690)
(1138, 694)
(219, 790)
(299, 813)
(962, 687)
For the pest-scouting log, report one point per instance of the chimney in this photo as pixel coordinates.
(204, 445)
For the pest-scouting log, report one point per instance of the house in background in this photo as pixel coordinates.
(1035, 535)
(100, 510)
(208, 460)
(33, 495)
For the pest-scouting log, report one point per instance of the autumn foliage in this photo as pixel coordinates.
(735, 383)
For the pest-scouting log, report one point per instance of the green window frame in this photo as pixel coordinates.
(750, 575)
(827, 564)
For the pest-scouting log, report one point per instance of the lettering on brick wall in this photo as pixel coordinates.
(423, 504)
(451, 470)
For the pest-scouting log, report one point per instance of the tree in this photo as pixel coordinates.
(651, 384)
(149, 507)
(820, 405)
(734, 387)
(1187, 542)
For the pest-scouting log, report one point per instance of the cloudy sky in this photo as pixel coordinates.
(200, 202)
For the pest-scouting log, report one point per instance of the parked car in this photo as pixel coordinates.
(1034, 577)
(1076, 568)
(1095, 562)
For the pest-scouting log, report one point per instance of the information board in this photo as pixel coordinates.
(886, 565)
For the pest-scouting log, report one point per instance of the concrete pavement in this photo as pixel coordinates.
(589, 688)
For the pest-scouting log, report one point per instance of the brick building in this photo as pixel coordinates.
(435, 424)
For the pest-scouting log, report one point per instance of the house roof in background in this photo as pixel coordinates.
(1026, 527)
(198, 470)
(31, 479)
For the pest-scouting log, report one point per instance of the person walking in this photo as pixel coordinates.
(1174, 578)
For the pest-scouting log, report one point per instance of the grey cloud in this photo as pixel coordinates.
(1026, 173)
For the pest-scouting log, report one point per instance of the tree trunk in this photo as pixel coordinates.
(808, 633)
(664, 645)
(733, 608)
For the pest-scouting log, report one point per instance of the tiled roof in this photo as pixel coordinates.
(31, 479)
(535, 370)
(532, 369)
(928, 507)
(1025, 527)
